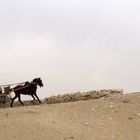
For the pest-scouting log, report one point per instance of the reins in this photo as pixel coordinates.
(13, 89)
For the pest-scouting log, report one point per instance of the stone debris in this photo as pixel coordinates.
(81, 96)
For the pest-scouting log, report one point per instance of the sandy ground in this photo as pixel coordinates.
(108, 118)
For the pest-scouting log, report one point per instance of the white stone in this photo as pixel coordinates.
(111, 106)
(110, 118)
(138, 114)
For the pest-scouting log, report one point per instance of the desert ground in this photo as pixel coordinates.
(115, 117)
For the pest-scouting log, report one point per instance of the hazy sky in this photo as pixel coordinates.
(73, 45)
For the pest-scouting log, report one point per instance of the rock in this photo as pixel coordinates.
(106, 107)
(138, 114)
(101, 124)
(71, 137)
(111, 106)
(6, 114)
(86, 123)
(53, 121)
(125, 101)
(130, 118)
(93, 108)
(113, 137)
(96, 106)
(110, 118)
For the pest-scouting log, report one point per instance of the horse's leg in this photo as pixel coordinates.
(11, 105)
(33, 101)
(37, 98)
(33, 97)
(19, 99)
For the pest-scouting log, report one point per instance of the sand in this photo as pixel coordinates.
(109, 118)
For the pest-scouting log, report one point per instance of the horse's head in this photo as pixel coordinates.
(38, 81)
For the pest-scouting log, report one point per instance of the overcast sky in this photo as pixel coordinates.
(73, 45)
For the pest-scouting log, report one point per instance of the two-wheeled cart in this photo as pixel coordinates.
(5, 94)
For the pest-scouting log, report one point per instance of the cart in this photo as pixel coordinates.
(5, 94)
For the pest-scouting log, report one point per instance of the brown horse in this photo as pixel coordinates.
(29, 88)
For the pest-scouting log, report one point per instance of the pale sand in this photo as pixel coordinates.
(108, 118)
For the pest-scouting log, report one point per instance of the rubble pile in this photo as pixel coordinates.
(81, 96)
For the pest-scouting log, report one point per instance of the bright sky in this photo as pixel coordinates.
(73, 45)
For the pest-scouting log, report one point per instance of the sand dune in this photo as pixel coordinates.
(116, 117)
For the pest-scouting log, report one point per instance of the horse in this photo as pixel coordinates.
(29, 88)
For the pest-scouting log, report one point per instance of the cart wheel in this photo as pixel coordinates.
(4, 100)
